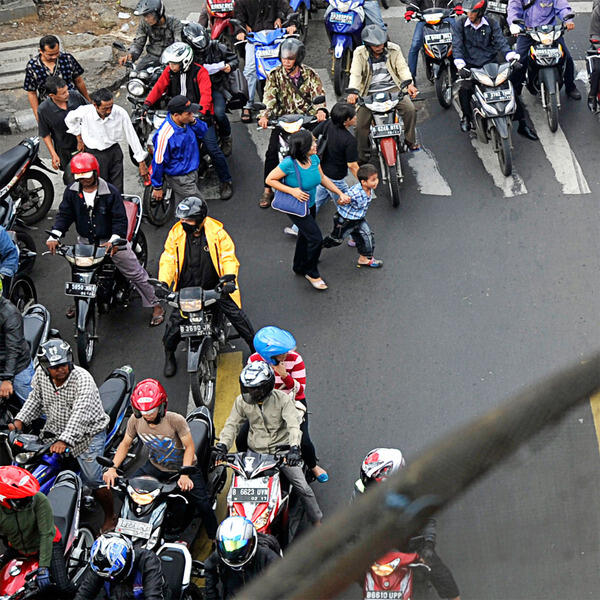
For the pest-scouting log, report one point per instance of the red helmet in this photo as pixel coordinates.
(148, 395)
(17, 487)
(83, 164)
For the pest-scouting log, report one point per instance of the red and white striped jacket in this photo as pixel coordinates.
(296, 377)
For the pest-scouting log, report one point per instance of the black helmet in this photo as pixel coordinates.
(373, 35)
(257, 381)
(145, 7)
(476, 6)
(192, 207)
(292, 47)
(196, 36)
(54, 353)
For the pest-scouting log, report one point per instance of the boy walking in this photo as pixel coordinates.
(350, 218)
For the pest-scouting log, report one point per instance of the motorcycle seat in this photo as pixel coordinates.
(63, 500)
(112, 392)
(175, 565)
(131, 208)
(200, 435)
(11, 161)
(33, 329)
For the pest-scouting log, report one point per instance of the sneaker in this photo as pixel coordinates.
(374, 263)
(351, 243)
(290, 231)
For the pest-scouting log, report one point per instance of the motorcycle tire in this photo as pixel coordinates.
(503, 150)
(552, 109)
(141, 248)
(159, 213)
(394, 186)
(37, 195)
(203, 382)
(341, 72)
(25, 242)
(303, 23)
(443, 87)
(22, 293)
(79, 556)
(86, 339)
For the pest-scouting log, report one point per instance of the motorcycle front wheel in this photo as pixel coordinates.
(394, 185)
(79, 554)
(159, 212)
(502, 148)
(203, 381)
(86, 339)
(25, 242)
(341, 72)
(37, 195)
(551, 107)
(141, 248)
(443, 87)
(22, 293)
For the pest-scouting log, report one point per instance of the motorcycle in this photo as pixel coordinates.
(392, 576)
(220, 13)
(499, 10)
(493, 103)
(24, 182)
(20, 289)
(15, 226)
(344, 22)
(96, 283)
(178, 568)
(152, 510)
(303, 9)
(546, 65)
(592, 63)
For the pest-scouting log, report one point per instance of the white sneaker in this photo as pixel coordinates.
(351, 243)
(290, 231)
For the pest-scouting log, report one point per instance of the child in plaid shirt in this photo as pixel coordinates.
(350, 218)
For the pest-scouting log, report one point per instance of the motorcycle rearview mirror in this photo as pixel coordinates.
(119, 46)
(318, 100)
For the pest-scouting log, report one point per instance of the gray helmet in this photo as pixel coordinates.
(292, 47)
(196, 36)
(257, 381)
(373, 35)
(192, 207)
(145, 7)
(54, 353)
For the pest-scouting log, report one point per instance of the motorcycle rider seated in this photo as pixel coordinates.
(156, 32)
(379, 66)
(476, 41)
(96, 207)
(75, 419)
(378, 465)
(168, 439)
(242, 553)
(274, 422)
(290, 89)
(536, 13)
(9, 254)
(27, 526)
(121, 571)
(219, 61)
(594, 64)
(183, 76)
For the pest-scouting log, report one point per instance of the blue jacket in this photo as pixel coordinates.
(540, 12)
(176, 149)
(9, 254)
(478, 47)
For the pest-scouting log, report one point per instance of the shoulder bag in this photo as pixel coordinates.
(286, 203)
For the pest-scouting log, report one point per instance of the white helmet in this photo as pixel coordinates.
(178, 53)
(380, 464)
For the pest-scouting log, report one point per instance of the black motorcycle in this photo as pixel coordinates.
(16, 227)
(19, 288)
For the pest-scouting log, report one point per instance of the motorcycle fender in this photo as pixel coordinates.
(501, 125)
(82, 305)
(38, 162)
(388, 150)
(193, 358)
(548, 76)
(435, 69)
(340, 43)
(219, 27)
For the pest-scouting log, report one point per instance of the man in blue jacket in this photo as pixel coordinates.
(9, 255)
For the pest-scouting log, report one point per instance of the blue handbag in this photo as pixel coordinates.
(286, 203)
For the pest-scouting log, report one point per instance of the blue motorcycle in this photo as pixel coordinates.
(344, 21)
(302, 7)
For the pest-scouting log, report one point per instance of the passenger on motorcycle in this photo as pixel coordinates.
(219, 61)
(199, 252)
(97, 209)
(182, 76)
(274, 422)
(378, 465)
(168, 439)
(476, 41)
(123, 571)
(379, 66)
(156, 32)
(27, 526)
(242, 553)
(75, 419)
(290, 89)
(536, 13)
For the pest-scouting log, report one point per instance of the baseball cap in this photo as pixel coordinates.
(179, 104)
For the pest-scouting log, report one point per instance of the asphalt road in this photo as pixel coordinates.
(485, 289)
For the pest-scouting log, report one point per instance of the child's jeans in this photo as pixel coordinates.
(359, 230)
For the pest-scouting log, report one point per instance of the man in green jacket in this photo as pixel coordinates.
(27, 524)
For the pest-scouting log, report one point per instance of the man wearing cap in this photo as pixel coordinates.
(177, 152)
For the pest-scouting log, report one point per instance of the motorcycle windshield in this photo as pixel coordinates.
(266, 37)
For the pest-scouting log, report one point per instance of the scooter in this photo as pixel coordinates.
(499, 10)
(392, 576)
(344, 22)
(23, 182)
(302, 7)
(178, 568)
(220, 13)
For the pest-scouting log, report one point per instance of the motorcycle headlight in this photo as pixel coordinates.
(24, 457)
(157, 121)
(136, 87)
(385, 569)
(263, 519)
(343, 6)
(190, 305)
(291, 127)
(142, 498)
(483, 78)
(547, 38)
(501, 78)
(382, 107)
(433, 19)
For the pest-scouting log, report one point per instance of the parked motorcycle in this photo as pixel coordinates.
(392, 576)
(344, 22)
(24, 182)
(546, 65)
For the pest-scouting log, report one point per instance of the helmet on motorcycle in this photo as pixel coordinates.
(145, 7)
(196, 36)
(178, 53)
(192, 207)
(55, 353)
(272, 341)
(257, 381)
(17, 487)
(476, 6)
(292, 48)
(112, 556)
(147, 396)
(380, 464)
(236, 541)
(373, 35)
(83, 165)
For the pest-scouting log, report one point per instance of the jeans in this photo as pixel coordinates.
(295, 476)
(250, 74)
(218, 158)
(22, 382)
(359, 230)
(219, 106)
(308, 245)
(415, 47)
(91, 471)
(373, 14)
(323, 194)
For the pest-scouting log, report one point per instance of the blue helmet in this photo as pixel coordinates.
(112, 557)
(272, 341)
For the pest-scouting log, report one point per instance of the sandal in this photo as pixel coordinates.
(265, 199)
(156, 320)
(414, 148)
(318, 283)
(374, 263)
(246, 115)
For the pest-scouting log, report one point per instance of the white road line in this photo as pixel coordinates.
(429, 178)
(556, 146)
(581, 72)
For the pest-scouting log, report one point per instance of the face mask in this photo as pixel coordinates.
(189, 228)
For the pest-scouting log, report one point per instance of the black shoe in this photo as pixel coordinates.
(465, 125)
(226, 190)
(226, 144)
(574, 94)
(527, 131)
(170, 364)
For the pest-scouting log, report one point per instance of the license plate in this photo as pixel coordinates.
(387, 130)
(438, 38)
(497, 96)
(245, 494)
(190, 329)
(134, 528)
(87, 290)
(222, 7)
(338, 17)
(267, 52)
(498, 7)
(547, 52)
(383, 595)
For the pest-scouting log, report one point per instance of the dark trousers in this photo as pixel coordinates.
(440, 575)
(272, 153)
(198, 495)
(111, 164)
(308, 244)
(357, 228)
(467, 89)
(218, 158)
(228, 307)
(219, 105)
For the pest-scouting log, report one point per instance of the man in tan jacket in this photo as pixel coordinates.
(379, 66)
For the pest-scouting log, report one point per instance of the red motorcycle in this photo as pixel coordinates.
(220, 13)
(392, 576)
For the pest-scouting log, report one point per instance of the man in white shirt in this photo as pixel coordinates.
(99, 128)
